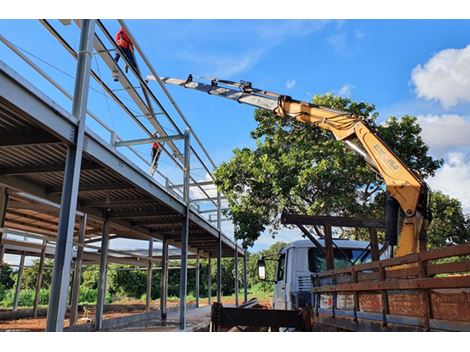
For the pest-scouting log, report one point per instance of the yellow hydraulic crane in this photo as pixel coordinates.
(403, 186)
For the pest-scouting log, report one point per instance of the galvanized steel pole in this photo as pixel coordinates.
(37, 290)
(236, 274)
(164, 279)
(209, 280)
(78, 271)
(18, 283)
(64, 244)
(3, 213)
(245, 285)
(219, 249)
(198, 271)
(103, 273)
(185, 232)
(148, 297)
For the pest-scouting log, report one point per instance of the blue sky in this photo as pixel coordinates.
(417, 67)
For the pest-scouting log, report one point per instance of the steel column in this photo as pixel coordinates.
(103, 273)
(3, 213)
(209, 281)
(63, 253)
(245, 285)
(148, 297)
(78, 272)
(198, 271)
(164, 280)
(18, 283)
(219, 249)
(39, 278)
(185, 231)
(236, 274)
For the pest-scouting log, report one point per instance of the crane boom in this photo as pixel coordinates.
(402, 184)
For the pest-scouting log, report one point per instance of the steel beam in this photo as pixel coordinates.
(3, 213)
(208, 211)
(37, 290)
(219, 249)
(164, 280)
(18, 283)
(209, 280)
(185, 232)
(28, 170)
(103, 274)
(195, 184)
(78, 272)
(245, 285)
(198, 271)
(110, 202)
(208, 199)
(148, 297)
(97, 187)
(149, 140)
(140, 213)
(27, 139)
(63, 253)
(236, 274)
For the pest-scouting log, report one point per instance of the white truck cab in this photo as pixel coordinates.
(298, 260)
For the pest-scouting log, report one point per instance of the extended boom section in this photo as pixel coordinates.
(402, 184)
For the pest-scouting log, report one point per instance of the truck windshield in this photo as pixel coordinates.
(342, 259)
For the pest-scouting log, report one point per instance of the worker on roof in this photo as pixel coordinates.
(156, 151)
(125, 44)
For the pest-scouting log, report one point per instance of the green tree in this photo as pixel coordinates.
(30, 274)
(271, 255)
(449, 225)
(6, 280)
(302, 168)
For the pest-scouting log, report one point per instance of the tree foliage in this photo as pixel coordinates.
(449, 225)
(302, 168)
(6, 280)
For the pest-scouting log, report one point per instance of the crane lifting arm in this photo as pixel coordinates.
(402, 184)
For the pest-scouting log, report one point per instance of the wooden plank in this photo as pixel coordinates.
(340, 221)
(374, 244)
(461, 249)
(458, 267)
(329, 248)
(411, 284)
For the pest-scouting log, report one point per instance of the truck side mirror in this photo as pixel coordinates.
(261, 269)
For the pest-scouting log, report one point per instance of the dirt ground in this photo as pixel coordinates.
(117, 310)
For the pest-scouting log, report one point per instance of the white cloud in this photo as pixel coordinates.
(266, 239)
(290, 83)
(337, 41)
(279, 31)
(197, 193)
(264, 36)
(453, 178)
(445, 132)
(223, 66)
(445, 77)
(345, 90)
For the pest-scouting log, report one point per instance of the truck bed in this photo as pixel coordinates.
(427, 291)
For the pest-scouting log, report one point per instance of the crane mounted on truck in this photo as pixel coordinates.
(417, 290)
(403, 186)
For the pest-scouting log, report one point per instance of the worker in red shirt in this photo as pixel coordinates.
(125, 44)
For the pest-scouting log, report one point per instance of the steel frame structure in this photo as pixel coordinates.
(152, 211)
